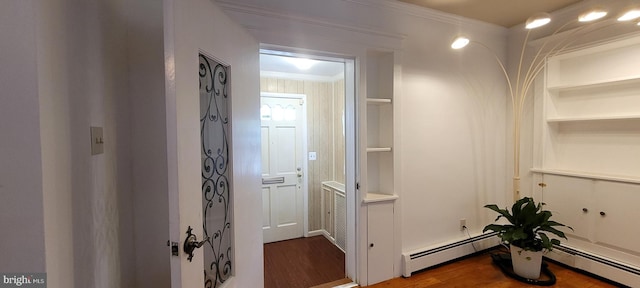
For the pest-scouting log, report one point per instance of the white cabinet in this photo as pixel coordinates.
(380, 241)
(571, 201)
(327, 209)
(334, 220)
(589, 161)
(602, 213)
(616, 216)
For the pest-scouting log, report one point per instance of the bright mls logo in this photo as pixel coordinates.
(23, 280)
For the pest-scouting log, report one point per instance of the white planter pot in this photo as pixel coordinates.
(526, 263)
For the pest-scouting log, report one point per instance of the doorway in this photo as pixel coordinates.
(283, 133)
(325, 88)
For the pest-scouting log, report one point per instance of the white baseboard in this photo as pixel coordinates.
(604, 267)
(430, 256)
(316, 233)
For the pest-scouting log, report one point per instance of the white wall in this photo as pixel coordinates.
(200, 26)
(451, 126)
(82, 83)
(21, 217)
(65, 71)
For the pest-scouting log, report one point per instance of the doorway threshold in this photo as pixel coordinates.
(342, 283)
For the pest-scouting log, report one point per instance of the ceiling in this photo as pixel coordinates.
(506, 13)
(283, 64)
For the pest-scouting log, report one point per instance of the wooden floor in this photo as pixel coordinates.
(302, 263)
(479, 271)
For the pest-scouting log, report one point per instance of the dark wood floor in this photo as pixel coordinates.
(302, 263)
(479, 271)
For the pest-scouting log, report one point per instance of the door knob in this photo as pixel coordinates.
(191, 243)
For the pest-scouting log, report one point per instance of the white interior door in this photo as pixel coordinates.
(190, 28)
(282, 169)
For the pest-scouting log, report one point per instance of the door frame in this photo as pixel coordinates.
(305, 164)
(351, 77)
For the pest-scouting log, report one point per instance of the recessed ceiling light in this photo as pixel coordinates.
(460, 42)
(592, 15)
(538, 20)
(302, 63)
(630, 15)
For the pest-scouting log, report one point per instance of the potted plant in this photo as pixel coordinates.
(527, 234)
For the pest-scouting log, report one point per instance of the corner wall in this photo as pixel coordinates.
(66, 210)
(21, 185)
(82, 83)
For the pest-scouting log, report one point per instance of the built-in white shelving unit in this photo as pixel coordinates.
(379, 112)
(378, 163)
(592, 111)
(589, 173)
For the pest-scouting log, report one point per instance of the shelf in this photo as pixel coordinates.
(593, 85)
(378, 101)
(581, 174)
(592, 118)
(379, 149)
(376, 197)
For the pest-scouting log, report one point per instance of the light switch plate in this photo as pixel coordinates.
(312, 156)
(97, 141)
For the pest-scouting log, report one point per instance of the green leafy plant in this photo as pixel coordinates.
(529, 226)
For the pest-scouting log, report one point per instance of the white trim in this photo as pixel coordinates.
(587, 175)
(316, 233)
(595, 267)
(375, 197)
(351, 81)
(326, 22)
(446, 251)
(348, 285)
(396, 6)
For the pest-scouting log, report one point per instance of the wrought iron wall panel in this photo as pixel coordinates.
(216, 188)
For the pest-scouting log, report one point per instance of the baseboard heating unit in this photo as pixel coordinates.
(430, 256)
(619, 272)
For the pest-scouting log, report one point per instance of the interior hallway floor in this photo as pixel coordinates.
(479, 271)
(302, 263)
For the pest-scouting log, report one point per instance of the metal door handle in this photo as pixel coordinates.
(191, 243)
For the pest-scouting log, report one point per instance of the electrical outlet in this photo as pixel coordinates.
(463, 224)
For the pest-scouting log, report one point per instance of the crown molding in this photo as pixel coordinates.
(231, 5)
(429, 14)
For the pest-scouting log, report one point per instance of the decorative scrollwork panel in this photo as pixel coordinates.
(216, 186)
